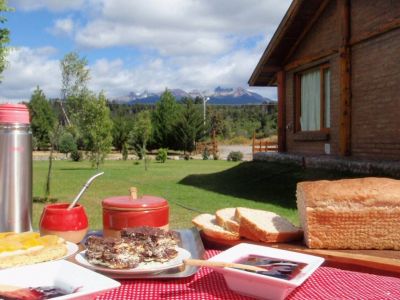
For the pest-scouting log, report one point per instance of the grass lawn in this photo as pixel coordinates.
(191, 187)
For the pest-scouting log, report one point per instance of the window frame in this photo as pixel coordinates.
(297, 93)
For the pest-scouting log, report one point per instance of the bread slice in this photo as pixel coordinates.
(225, 218)
(266, 226)
(207, 223)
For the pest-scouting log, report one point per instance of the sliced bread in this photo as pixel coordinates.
(207, 223)
(266, 226)
(225, 218)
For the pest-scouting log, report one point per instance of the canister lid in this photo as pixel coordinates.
(126, 202)
(14, 114)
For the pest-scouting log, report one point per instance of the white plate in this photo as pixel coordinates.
(71, 250)
(61, 274)
(142, 268)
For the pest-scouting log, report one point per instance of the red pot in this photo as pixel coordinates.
(126, 211)
(72, 225)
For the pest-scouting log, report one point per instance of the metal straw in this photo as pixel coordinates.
(83, 190)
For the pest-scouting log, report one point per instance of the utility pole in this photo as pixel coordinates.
(205, 100)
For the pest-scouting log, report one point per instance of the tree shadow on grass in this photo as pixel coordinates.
(77, 169)
(266, 182)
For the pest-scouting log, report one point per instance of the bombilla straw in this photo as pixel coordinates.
(83, 190)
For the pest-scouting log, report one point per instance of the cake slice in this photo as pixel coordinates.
(113, 253)
(207, 223)
(265, 226)
(154, 244)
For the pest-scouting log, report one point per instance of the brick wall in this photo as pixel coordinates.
(375, 81)
(323, 36)
(376, 97)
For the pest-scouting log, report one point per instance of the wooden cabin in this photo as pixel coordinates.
(336, 64)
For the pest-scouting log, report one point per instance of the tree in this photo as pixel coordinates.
(189, 128)
(75, 76)
(53, 142)
(141, 134)
(96, 127)
(164, 119)
(43, 118)
(121, 128)
(4, 37)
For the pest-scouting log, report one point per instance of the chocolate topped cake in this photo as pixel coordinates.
(111, 252)
(136, 245)
(156, 244)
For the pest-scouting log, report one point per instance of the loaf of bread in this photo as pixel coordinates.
(359, 213)
(26, 248)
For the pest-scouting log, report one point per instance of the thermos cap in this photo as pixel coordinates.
(14, 114)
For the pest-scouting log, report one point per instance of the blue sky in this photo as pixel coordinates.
(136, 45)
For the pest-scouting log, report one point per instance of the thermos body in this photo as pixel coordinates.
(15, 177)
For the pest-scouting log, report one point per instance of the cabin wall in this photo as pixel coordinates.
(324, 36)
(375, 81)
(375, 114)
(376, 98)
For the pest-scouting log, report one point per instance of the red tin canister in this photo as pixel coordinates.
(131, 211)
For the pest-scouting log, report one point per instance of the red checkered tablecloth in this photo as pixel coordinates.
(325, 283)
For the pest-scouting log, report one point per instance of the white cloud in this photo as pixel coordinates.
(62, 27)
(231, 70)
(180, 27)
(27, 69)
(52, 5)
(194, 44)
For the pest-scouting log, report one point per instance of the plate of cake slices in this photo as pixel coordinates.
(139, 250)
(142, 267)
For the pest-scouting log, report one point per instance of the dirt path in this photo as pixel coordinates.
(224, 150)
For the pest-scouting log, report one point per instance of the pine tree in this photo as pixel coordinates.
(189, 128)
(43, 118)
(164, 119)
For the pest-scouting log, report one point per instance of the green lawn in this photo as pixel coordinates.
(191, 187)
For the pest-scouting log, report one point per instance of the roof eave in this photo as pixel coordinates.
(267, 77)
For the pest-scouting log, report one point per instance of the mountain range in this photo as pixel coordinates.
(220, 96)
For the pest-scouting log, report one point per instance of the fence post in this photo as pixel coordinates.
(254, 141)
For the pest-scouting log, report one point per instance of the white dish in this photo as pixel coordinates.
(142, 268)
(262, 286)
(71, 250)
(61, 274)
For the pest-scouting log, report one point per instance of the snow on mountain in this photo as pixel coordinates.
(220, 96)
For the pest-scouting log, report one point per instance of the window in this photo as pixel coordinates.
(312, 103)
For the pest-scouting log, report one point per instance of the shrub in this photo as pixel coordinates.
(206, 154)
(44, 200)
(67, 143)
(162, 155)
(124, 151)
(235, 156)
(76, 155)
